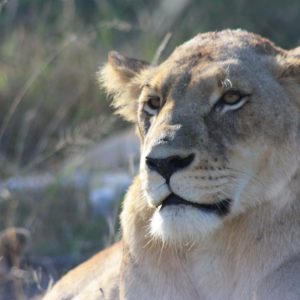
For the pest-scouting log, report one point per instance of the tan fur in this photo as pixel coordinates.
(247, 152)
(97, 278)
(12, 245)
(13, 242)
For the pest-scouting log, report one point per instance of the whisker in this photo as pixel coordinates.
(250, 176)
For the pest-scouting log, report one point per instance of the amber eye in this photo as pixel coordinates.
(232, 97)
(152, 105)
(231, 100)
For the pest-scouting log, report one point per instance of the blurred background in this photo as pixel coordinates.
(65, 159)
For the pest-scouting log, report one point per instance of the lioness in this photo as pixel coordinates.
(214, 212)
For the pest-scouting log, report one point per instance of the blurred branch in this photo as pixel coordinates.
(76, 136)
(24, 131)
(169, 14)
(54, 124)
(42, 158)
(161, 48)
(116, 24)
(2, 4)
(29, 83)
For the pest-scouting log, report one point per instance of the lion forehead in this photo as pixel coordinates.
(211, 58)
(227, 43)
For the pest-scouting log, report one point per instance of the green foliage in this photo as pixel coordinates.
(61, 220)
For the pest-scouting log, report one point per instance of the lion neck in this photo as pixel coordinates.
(244, 249)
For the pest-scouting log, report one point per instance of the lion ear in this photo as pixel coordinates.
(121, 78)
(290, 65)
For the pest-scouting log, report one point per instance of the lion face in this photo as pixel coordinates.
(218, 129)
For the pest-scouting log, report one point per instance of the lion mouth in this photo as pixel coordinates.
(220, 208)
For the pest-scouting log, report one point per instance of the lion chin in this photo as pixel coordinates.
(169, 224)
(213, 213)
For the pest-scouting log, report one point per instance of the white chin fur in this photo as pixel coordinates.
(182, 225)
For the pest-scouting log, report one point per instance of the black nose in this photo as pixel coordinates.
(167, 166)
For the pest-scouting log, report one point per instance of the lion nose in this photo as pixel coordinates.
(169, 165)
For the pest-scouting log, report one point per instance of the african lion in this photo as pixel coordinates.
(214, 212)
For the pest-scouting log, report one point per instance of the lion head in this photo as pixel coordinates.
(218, 122)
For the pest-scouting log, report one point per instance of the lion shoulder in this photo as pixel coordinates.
(95, 278)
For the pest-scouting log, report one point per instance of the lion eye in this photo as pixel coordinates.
(231, 100)
(232, 97)
(152, 105)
